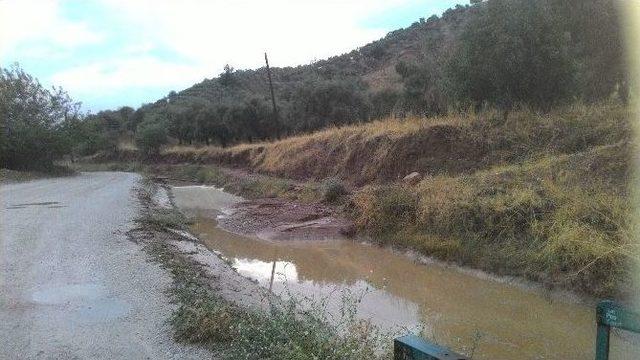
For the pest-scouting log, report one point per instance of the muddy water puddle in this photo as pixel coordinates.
(469, 313)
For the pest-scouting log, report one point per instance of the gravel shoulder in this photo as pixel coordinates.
(72, 285)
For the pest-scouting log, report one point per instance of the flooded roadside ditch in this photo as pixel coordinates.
(469, 313)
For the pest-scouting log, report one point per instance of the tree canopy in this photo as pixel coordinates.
(33, 121)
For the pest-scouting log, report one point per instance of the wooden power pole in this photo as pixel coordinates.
(273, 97)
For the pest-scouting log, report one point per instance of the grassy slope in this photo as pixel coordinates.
(541, 196)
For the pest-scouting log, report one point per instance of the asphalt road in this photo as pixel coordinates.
(72, 286)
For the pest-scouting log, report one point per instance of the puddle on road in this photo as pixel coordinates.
(88, 302)
(457, 309)
(103, 310)
(49, 204)
(62, 294)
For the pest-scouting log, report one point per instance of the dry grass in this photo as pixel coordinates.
(552, 220)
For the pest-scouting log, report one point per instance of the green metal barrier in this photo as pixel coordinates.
(608, 315)
(411, 347)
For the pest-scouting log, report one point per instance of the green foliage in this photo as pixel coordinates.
(513, 52)
(321, 103)
(423, 88)
(227, 78)
(383, 103)
(332, 190)
(597, 46)
(32, 121)
(151, 137)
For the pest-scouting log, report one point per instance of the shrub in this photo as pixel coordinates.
(384, 210)
(332, 190)
(151, 137)
(162, 219)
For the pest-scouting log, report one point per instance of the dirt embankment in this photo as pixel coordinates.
(354, 156)
(386, 151)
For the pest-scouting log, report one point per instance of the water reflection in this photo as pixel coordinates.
(456, 308)
(499, 320)
(279, 271)
(397, 316)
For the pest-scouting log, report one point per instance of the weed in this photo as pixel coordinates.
(332, 190)
(161, 219)
(384, 210)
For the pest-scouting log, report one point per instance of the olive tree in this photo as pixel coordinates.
(151, 136)
(31, 121)
(513, 52)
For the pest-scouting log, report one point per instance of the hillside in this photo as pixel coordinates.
(495, 54)
(364, 84)
(373, 64)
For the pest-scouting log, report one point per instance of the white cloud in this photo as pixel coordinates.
(112, 76)
(237, 32)
(39, 22)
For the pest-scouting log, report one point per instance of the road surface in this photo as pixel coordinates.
(72, 286)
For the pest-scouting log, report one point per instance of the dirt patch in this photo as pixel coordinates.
(279, 219)
(269, 218)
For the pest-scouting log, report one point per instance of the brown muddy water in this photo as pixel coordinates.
(465, 310)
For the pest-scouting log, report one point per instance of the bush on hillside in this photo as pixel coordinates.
(151, 137)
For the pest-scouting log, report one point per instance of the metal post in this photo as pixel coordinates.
(602, 342)
(608, 315)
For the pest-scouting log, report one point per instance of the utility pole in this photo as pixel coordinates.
(273, 98)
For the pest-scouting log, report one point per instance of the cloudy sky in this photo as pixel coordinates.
(109, 53)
